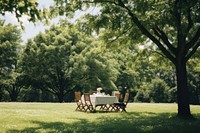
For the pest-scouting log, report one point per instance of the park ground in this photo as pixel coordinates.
(62, 117)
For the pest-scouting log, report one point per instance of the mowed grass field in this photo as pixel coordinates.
(62, 117)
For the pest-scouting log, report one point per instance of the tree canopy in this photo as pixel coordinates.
(172, 25)
(64, 59)
(9, 48)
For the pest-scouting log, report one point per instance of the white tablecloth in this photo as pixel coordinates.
(98, 100)
(101, 99)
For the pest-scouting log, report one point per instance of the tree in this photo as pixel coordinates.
(9, 50)
(153, 91)
(63, 59)
(48, 60)
(101, 67)
(57, 61)
(172, 25)
(20, 8)
(16, 84)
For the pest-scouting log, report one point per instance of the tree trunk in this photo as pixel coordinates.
(60, 97)
(182, 90)
(14, 95)
(1, 93)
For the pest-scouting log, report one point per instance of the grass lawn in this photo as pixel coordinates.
(62, 117)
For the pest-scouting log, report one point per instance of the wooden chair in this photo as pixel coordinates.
(122, 105)
(112, 106)
(118, 95)
(80, 105)
(103, 107)
(88, 104)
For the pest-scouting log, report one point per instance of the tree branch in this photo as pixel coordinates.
(50, 91)
(180, 33)
(106, 1)
(122, 33)
(156, 52)
(191, 43)
(68, 90)
(50, 88)
(177, 15)
(140, 26)
(193, 51)
(190, 22)
(164, 38)
(145, 31)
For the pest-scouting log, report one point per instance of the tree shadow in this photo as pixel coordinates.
(132, 122)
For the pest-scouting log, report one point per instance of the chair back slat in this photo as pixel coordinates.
(87, 98)
(88, 102)
(117, 95)
(78, 101)
(126, 98)
(77, 96)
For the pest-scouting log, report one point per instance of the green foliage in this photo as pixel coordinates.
(64, 59)
(150, 13)
(172, 95)
(20, 8)
(9, 55)
(102, 68)
(194, 85)
(194, 79)
(158, 88)
(48, 60)
(154, 91)
(9, 48)
(101, 50)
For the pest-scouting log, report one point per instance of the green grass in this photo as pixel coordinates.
(62, 117)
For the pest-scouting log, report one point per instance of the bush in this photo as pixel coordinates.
(155, 91)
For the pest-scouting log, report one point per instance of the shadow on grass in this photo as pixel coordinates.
(133, 122)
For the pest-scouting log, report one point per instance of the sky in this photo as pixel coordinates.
(32, 29)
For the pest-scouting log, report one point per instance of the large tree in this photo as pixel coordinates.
(172, 25)
(7, 54)
(9, 46)
(9, 50)
(48, 60)
(64, 59)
